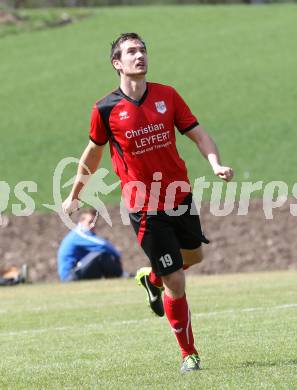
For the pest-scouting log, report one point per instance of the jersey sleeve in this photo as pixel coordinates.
(184, 120)
(98, 133)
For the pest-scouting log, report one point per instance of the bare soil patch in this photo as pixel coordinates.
(238, 243)
(8, 18)
(15, 22)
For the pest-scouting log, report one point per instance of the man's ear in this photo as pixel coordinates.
(117, 64)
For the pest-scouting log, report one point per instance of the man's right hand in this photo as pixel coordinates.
(88, 164)
(71, 205)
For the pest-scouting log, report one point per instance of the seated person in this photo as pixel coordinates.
(83, 255)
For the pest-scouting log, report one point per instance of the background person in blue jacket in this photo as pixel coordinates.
(83, 255)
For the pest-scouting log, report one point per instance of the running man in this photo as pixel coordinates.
(138, 120)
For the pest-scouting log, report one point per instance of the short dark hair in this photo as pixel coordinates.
(116, 52)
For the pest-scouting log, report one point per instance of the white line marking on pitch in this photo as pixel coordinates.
(102, 325)
(247, 309)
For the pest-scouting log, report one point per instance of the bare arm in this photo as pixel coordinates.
(88, 164)
(210, 151)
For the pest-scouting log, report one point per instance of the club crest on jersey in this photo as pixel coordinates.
(161, 107)
(123, 115)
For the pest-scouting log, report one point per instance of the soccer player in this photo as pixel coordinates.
(138, 120)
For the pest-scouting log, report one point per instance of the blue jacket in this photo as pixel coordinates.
(77, 244)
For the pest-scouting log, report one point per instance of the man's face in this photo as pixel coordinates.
(87, 221)
(133, 61)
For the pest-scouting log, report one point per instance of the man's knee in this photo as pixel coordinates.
(192, 256)
(199, 257)
(175, 284)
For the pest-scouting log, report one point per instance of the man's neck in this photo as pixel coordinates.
(134, 88)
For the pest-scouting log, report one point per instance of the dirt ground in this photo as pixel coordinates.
(238, 243)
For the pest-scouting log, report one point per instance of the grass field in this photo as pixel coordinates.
(234, 65)
(100, 335)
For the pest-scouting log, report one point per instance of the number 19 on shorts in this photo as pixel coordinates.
(166, 260)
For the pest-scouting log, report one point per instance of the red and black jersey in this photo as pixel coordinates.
(142, 143)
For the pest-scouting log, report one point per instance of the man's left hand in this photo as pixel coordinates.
(225, 173)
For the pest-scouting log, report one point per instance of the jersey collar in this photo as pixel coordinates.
(135, 102)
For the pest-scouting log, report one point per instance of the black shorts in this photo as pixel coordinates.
(161, 236)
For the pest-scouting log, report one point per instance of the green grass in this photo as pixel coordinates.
(234, 65)
(101, 335)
